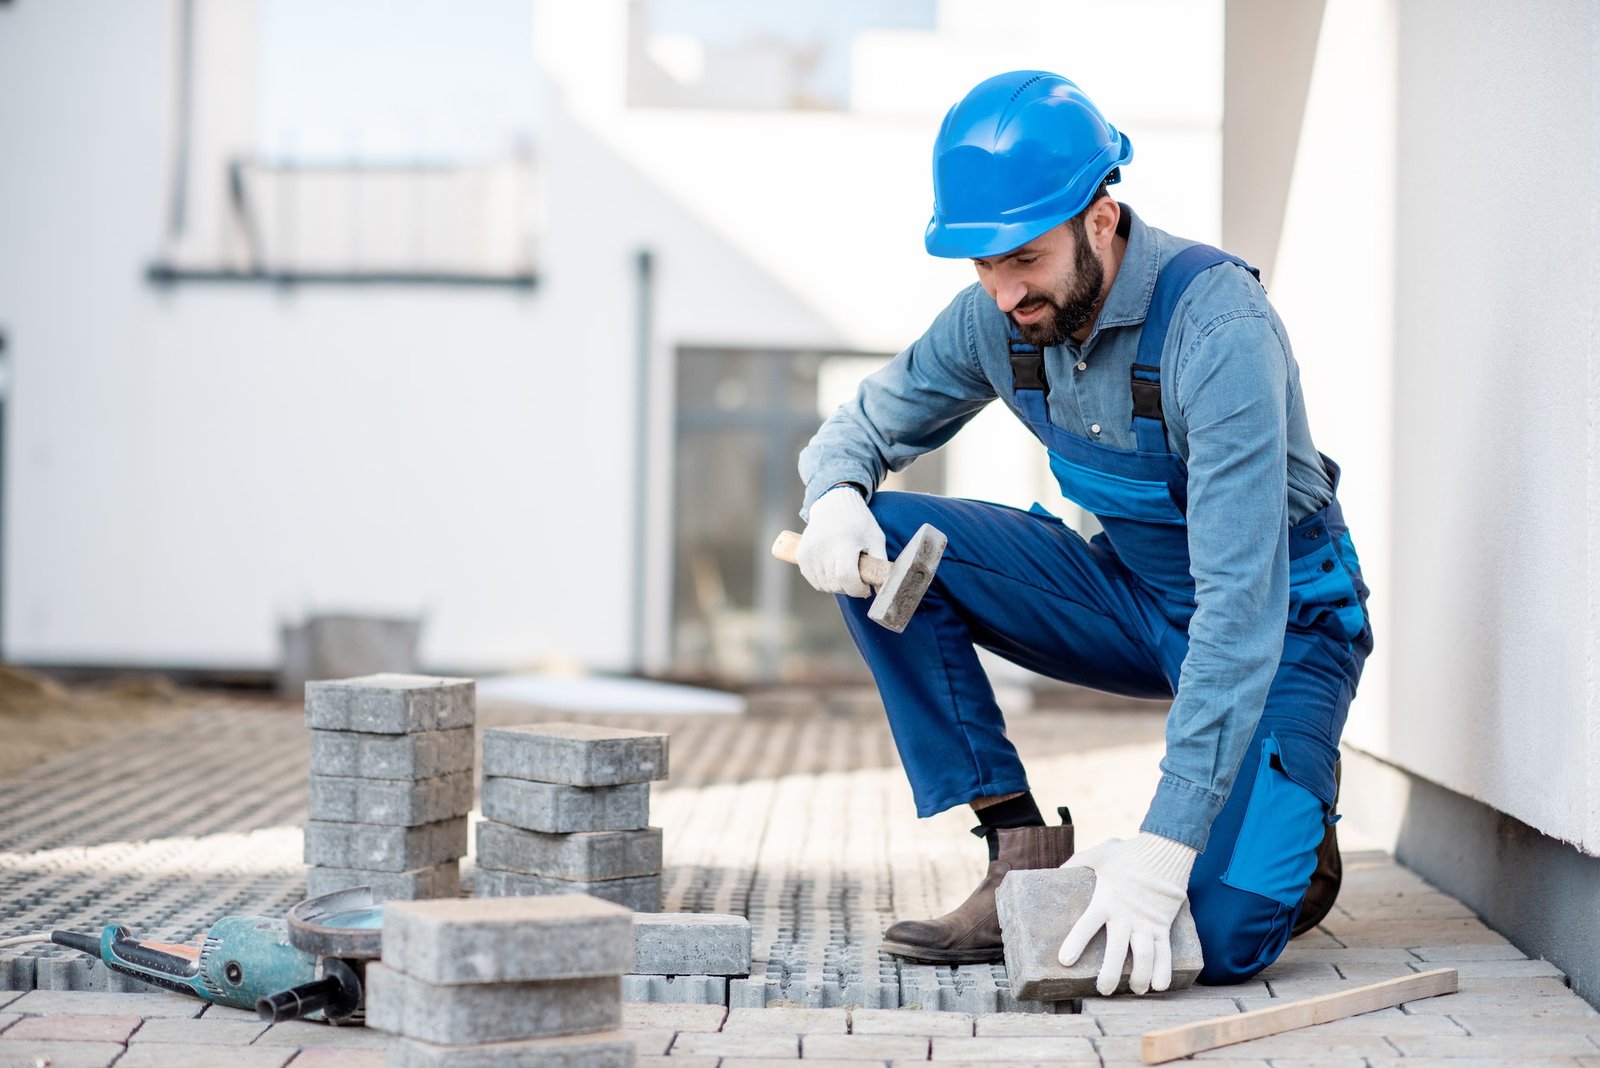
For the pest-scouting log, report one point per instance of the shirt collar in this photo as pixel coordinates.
(1131, 291)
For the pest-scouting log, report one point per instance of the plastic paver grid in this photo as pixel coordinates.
(803, 824)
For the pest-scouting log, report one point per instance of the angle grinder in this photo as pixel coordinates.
(310, 964)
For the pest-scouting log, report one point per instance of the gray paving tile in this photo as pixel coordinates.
(1511, 1049)
(673, 1017)
(304, 1034)
(24, 1054)
(914, 1022)
(1035, 1025)
(73, 1027)
(737, 1044)
(7, 1019)
(199, 1055)
(653, 1041)
(863, 1047)
(89, 1002)
(1008, 1050)
(788, 1020)
(201, 1032)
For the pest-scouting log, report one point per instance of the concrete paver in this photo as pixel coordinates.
(56, 1054)
(803, 826)
(201, 1032)
(199, 1055)
(67, 1027)
(863, 1047)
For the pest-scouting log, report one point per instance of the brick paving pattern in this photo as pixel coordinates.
(800, 822)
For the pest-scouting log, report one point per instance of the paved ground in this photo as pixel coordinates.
(798, 819)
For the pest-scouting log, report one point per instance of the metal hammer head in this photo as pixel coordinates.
(909, 578)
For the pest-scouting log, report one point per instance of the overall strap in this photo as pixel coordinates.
(1027, 363)
(1149, 425)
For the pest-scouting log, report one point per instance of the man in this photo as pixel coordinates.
(1161, 381)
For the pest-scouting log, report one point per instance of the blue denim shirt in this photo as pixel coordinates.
(1234, 414)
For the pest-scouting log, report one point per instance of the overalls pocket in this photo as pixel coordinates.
(1284, 822)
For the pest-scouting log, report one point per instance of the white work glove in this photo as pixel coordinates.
(1139, 887)
(839, 529)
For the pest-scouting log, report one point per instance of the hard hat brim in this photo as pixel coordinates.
(963, 241)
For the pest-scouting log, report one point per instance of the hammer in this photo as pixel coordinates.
(900, 585)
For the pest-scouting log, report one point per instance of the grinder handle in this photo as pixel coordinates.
(874, 572)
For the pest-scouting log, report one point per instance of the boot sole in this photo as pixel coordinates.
(924, 955)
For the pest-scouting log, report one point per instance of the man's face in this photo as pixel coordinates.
(1050, 287)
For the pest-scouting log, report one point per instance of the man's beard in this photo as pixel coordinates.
(1072, 311)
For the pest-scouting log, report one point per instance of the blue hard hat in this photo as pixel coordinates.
(1020, 154)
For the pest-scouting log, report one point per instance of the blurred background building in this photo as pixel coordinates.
(511, 316)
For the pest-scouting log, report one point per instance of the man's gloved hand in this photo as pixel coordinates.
(839, 530)
(1139, 887)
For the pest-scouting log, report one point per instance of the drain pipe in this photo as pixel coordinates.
(644, 274)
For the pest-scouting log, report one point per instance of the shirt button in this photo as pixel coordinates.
(1327, 565)
(1094, 428)
(1082, 366)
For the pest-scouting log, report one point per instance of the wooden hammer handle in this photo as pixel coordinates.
(874, 572)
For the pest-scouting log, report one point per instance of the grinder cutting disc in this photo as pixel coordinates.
(346, 923)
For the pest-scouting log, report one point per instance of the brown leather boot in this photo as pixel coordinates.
(1327, 877)
(971, 934)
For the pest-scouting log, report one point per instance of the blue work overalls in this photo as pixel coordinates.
(1112, 613)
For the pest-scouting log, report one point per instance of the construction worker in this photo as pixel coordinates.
(1161, 381)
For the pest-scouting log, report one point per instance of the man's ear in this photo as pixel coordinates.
(1101, 223)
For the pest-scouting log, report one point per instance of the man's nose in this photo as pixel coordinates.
(1008, 293)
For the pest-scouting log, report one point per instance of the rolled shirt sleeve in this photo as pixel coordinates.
(912, 405)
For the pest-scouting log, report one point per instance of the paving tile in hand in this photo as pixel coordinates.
(171, 1055)
(1011, 1050)
(59, 1054)
(99, 1003)
(787, 1020)
(911, 1022)
(206, 1031)
(738, 1044)
(675, 1017)
(863, 1047)
(69, 1027)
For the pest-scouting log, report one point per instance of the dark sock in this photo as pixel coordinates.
(1019, 811)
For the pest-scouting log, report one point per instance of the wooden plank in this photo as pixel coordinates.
(1156, 1047)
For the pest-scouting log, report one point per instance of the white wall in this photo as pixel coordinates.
(1442, 244)
(187, 467)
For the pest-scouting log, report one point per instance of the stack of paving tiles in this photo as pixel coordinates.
(391, 784)
(566, 811)
(511, 983)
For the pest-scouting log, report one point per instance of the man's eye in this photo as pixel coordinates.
(1025, 261)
